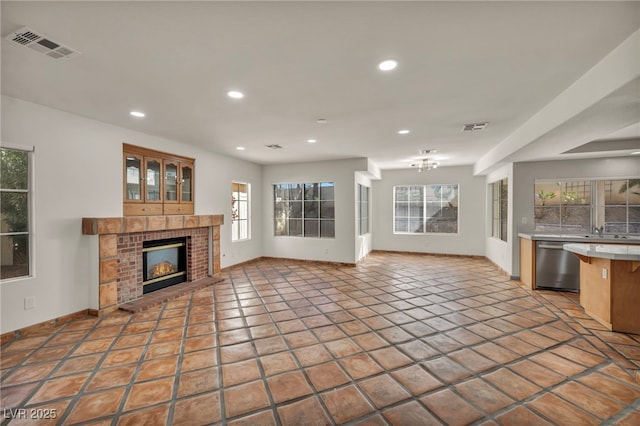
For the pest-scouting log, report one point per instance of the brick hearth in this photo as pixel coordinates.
(120, 251)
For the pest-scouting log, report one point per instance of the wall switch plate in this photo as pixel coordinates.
(524, 220)
(29, 302)
(605, 273)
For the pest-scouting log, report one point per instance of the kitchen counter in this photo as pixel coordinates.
(605, 251)
(581, 238)
(610, 284)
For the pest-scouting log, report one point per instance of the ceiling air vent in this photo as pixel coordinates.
(274, 146)
(474, 126)
(40, 43)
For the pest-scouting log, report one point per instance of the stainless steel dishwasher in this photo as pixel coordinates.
(556, 269)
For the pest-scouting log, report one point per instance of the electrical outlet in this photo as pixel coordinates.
(524, 220)
(29, 302)
(605, 273)
(326, 251)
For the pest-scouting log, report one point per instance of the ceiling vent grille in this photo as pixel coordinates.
(38, 42)
(274, 146)
(474, 126)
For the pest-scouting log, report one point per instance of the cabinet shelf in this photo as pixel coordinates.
(156, 183)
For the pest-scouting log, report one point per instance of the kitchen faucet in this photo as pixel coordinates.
(599, 231)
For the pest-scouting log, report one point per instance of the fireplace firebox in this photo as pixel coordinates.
(164, 263)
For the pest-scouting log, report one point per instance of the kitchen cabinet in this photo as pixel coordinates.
(157, 183)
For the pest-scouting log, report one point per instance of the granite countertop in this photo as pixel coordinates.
(605, 251)
(581, 238)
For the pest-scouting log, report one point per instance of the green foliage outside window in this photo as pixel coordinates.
(14, 213)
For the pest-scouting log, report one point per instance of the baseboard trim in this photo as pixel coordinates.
(227, 268)
(511, 277)
(43, 327)
(321, 262)
(466, 256)
(287, 259)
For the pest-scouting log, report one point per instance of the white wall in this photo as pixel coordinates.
(78, 173)
(525, 174)
(339, 249)
(498, 251)
(470, 239)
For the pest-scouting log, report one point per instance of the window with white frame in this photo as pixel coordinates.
(363, 209)
(582, 206)
(499, 209)
(304, 210)
(422, 209)
(15, 214)
(240, 229)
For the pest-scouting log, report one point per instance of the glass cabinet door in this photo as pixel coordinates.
(133, 178)
(187, 182)
(152, 179)
(170, 182)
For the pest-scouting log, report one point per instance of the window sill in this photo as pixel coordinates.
(499, 240)
(15, 279)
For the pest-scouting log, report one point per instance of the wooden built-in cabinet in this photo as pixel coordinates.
(157, 183)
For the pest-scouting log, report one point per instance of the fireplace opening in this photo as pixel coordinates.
(164, 263)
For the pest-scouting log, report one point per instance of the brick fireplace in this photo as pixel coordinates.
(120, 246)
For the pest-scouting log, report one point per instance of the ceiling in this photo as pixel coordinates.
(296, 62)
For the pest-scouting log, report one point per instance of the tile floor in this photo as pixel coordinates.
(400, 339)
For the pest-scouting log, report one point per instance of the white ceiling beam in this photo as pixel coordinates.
(619, 68)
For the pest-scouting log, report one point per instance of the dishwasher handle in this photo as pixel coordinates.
(549, 246)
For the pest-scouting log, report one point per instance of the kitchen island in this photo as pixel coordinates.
(529, 240)
(610, 284)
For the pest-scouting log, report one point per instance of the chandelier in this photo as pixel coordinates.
(426, 164)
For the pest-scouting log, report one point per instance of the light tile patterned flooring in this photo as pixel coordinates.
(400, 339)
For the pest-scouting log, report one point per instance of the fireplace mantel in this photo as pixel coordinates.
(118, 237)
(126, 225)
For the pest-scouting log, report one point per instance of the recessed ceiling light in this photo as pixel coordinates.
(312, 140)
(235, 94)
(322, 121)
(138, 114)
(387, 65)
(635, 153)
(240, 148)
(404, 131)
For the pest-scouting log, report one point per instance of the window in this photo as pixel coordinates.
(619, 212)
(499, 211)
(304, 210)
(363, 209)
(577, 206)
(420, 209)
(14, 213)
(239, 211)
